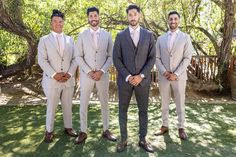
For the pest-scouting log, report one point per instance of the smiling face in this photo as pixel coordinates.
(93, 19)
(57, 24)
(133, 17)
(173, 22)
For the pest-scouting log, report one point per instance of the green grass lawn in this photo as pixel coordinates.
(211, 130)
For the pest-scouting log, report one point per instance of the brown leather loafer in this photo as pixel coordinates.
(162, 131)
(71, 132)
(146, 146)
(121, 146)
(81, 138)
(48, 137)
(182, 134)
(108, 135)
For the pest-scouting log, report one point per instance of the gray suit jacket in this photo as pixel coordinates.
(51, 61)
(177, 59)
(91, 58)
(131, 60)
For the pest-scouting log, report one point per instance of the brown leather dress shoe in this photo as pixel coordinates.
(146, 146)
(48, 137)
(162, 131)
(81, 138)
(182, 134)
(108, 135)
(71, 132)
(121, 146)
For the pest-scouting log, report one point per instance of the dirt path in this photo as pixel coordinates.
(27, 94)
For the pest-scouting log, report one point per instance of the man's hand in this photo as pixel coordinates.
(172, 77)
(90, 74)
(62, 77)
(167, 74)
(135, 80)
(97, 75)
(58, 76)
(66, 77)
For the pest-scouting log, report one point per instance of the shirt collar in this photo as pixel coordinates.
(55, 34)
(93, 31)
(131, 30)
(177, 31)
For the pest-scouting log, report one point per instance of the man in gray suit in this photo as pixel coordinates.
(173, 55)
(134, 56)
(94, 47)
(56, 58)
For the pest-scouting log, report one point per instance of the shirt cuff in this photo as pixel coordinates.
(88, 71)
(103, 71)
(53, 75)
(70, 74)
(176, 74)
(127, 78)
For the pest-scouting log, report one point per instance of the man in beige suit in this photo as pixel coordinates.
(94, 47)
(56, 58)
(174, 52)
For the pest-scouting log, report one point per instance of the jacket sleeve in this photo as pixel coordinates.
(118, 59)
(73, 64)
(43, 60)
(108, 62)
(187, 55)
(80, 55)
(151, 57)
(159, 65)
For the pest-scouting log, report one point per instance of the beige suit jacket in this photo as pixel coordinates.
(177, 59)
(51, 61)
(91, 58)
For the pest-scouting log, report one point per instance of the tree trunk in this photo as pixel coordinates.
(15, 25)
(225, 47)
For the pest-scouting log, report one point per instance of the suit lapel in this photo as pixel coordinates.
(65, 45)
(141, 38)
(100, 38)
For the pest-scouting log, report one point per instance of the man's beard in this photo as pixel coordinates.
(133, 23)
(173, 27)
(94, 24)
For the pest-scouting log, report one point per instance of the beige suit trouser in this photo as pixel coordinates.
(86, 87)
(178, 88)
(54, 95)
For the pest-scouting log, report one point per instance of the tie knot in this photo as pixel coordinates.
(59, 35)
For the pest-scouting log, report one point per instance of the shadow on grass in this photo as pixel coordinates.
(211, 130)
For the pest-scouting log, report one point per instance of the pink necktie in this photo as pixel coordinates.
(95, 39)
(60, 44)
(135, 37)
(170, 40)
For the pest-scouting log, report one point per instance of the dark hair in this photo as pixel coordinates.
(132, 6)
(173, 12)
(92, 9)
(56, 12)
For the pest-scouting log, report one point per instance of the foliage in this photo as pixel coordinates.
(203, 20)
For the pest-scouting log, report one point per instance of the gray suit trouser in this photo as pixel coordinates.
(141, 94)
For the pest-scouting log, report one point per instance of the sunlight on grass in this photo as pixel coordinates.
(211, 131)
